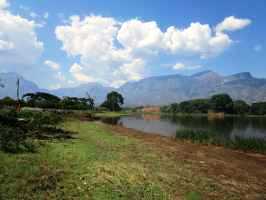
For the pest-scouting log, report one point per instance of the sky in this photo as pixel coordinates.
(66, 43)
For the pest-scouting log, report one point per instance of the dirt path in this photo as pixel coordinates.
(237, 171)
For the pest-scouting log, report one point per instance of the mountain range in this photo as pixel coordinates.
(159, 90)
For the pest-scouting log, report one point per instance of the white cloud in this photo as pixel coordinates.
(4, 4)
(76, 71)
(196, 39)
(135, 34)
(179, 66)
(115, 52)
(18, 40)
(52, 64)
(182, 66)
(232, 24)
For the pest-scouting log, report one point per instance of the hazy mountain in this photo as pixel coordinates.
(95, 90)
(158, 90)
(9, 81)
(176, 88)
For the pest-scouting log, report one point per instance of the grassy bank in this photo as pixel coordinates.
(102, 164)
(111, 114)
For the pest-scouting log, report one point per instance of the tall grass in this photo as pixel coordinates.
(208, 137)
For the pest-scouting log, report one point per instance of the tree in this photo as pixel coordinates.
(221, 103)
(42, 100)
(258, 108)
(241, 107)
(113, 101)
(76, 103)
(7, 101)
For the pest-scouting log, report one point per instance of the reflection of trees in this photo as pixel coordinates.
(219, 126)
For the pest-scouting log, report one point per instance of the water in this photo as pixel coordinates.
(229, 127)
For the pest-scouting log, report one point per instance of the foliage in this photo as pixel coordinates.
(19, 130)
(46, 100)
(114, 101)
(42, 100)
(221, 103)
(7, 101)
(75, 103)
(258, 108)
(194, 106)
(241, 107)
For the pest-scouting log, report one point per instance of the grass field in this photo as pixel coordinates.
(102, 164)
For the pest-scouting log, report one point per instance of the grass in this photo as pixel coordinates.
(208, 137)
(111, 114)
(99, 164)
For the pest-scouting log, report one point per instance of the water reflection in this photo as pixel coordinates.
(228, 128)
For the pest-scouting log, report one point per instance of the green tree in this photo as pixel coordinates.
(221, 103)
(42, 100)
(241, 107)
(77, 103)
(258, 108)
(114, 101)
(7, 101)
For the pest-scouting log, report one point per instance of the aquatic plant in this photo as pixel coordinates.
(208, 137)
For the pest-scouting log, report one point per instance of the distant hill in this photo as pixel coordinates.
(9, 81)
(95, 90)
(159, 90)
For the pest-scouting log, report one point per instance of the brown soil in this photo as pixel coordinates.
(237, 171)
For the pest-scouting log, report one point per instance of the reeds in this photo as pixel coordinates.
(208, 137)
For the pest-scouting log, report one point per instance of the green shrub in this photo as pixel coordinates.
(15, 139)
(207, 137)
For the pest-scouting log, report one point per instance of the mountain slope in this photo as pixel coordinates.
(159, 90)
(9, 81)
(176, 88)
(95, 90)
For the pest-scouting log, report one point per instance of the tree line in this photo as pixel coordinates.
(217, 103)
(113, 101)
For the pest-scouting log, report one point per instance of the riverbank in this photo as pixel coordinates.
(112, 162)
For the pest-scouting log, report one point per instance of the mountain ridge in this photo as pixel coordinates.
(156, 90)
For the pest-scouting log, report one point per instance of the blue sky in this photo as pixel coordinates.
(68, 43)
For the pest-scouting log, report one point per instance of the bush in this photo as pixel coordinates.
(14, 140)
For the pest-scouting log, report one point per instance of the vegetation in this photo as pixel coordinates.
(258, 108)
(104, 165)
(113, 101)
(20, 131)
(222, 103)
(207, 137)
(46, 100)
(217, 103)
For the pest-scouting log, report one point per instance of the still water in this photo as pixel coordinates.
(229, 127)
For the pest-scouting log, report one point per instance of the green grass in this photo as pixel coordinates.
(99, 164)
(111, 114)
(208, 137)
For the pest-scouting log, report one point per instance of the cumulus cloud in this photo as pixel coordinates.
(135, 34)
(76, 71)
(18, 39)
(232, 24)
(115, 52)
(3, 4)
(52, 64)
